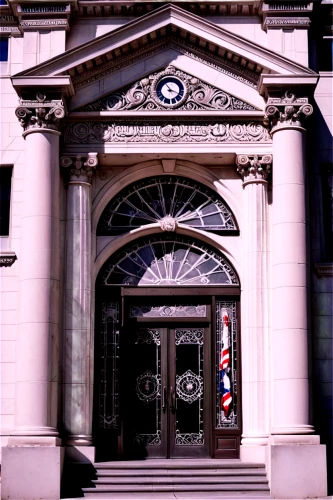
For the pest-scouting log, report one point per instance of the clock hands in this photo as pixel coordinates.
(170, 90)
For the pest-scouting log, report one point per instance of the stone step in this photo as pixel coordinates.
(178, 464)
(180, 472)
(176, 487)
(208, 495)
(172, 480)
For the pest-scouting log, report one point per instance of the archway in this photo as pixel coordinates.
(167, 357)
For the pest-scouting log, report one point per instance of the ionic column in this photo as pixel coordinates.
(78, 341)
(254, 170)
(38, 315)
(290, 397)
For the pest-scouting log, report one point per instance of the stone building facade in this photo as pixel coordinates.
(166, 237)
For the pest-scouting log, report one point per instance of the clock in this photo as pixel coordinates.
(170, 91)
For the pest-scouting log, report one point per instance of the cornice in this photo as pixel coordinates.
(180, 23)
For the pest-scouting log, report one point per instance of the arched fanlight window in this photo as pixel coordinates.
(157, 198)
(167, 260)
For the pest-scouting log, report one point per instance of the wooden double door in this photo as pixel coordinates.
(166, 389)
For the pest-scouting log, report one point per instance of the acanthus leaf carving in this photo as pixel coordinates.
(40, 113)
(142, 96)
(287, 110)
(81, 167)
(254, 168)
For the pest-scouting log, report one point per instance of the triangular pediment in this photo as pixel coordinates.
(168, 89)
(169, 35)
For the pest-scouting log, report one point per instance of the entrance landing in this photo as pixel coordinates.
(178, 479)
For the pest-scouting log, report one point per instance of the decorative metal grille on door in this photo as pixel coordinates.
(189, 405)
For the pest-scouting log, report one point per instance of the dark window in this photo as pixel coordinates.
(5, 188)
(3, 49)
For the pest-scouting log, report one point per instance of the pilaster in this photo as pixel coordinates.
(255, 170)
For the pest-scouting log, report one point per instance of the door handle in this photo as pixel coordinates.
(173, 400)
(164, 400)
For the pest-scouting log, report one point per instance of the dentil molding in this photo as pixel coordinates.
(80, 167)
(287, 110)
(40, 113)
(254, 168)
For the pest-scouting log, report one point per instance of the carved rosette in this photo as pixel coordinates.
(254, 168)
(80, 167)
(288, 110)
(40, 113)
(168, 224)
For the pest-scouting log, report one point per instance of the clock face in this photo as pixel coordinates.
(170, 91)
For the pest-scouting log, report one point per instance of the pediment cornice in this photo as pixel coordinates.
(168, 24)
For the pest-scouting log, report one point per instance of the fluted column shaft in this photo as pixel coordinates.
(255, 365)
(78, 342)
(290, 401)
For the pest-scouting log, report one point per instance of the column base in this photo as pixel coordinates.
(297, 470)
(31, 472)
(23, 440)
(79, 440)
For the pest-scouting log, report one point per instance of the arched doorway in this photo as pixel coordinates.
(167, 351)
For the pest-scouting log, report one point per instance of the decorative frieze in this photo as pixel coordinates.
(287, 22)
(287, 110)
(44, 23)
(146, 94)
(254, 168)
(40, 113)
(80, 167)
(165, 132)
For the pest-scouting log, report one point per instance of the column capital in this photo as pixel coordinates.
(81, 166)
(254, 168)
(40, 113)
(286, 111)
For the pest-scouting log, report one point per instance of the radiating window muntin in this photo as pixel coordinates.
(170, 260)
(150, 200)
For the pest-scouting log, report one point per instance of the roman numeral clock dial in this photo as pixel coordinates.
(170, 91)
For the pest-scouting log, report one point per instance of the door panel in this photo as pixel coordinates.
(146, 426)
(167, 412)
(188, 412)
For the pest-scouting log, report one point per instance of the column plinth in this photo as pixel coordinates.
(78, 339)
(254, 170)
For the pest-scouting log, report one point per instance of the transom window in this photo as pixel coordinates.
(154, 199)
(168, 260)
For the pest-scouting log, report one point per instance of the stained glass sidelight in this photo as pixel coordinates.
(189, 386)
(226, 365)
(146, 368)
(109, 369)
(168, 260)
(151, 200)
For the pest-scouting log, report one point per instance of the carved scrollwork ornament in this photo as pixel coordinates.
(40, 113)
(80, 167)
(286, 111)
(254, 168)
